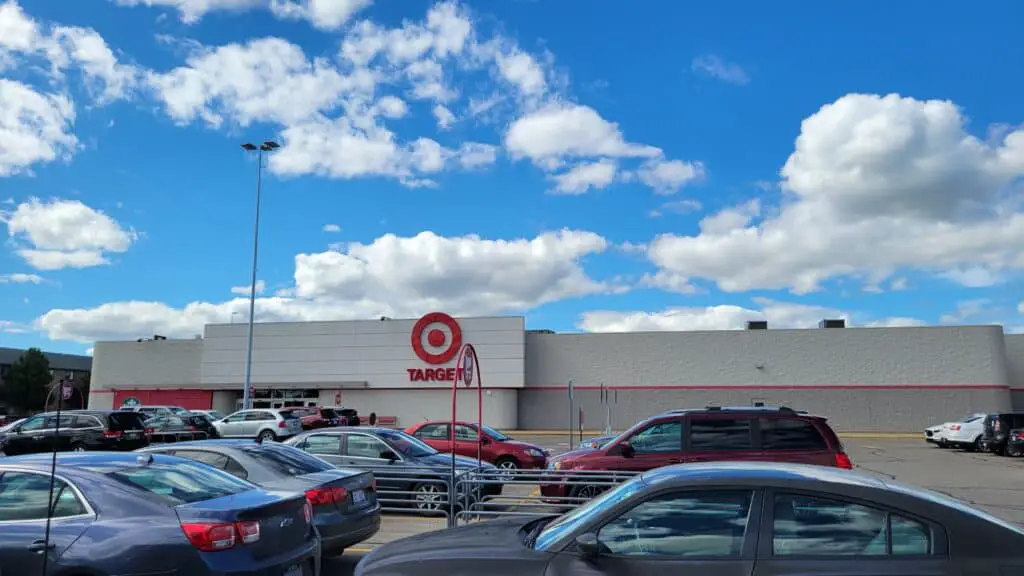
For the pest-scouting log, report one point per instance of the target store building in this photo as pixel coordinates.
(863, 379)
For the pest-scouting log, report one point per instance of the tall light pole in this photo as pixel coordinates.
(266, 146)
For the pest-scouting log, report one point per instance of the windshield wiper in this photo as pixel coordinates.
(531, 536)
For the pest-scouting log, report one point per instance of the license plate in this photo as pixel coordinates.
(132, 435)
(294, 570)
(358, 497)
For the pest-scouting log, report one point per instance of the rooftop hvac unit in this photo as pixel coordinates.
(757, 325)
(832, 323)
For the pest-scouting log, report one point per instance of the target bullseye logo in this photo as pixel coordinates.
(449, 342)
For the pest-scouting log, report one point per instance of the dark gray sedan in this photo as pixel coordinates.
(728, 519)
(344, 502)
(406, 468)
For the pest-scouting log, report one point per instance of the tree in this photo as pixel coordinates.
(28, 381)
(82, 381)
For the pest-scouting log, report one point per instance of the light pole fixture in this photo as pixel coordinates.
(266, 146)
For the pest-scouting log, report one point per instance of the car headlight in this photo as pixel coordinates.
(534, 452)
(554, 465)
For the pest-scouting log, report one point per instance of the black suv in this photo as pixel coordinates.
(997, 430)
(77, 430)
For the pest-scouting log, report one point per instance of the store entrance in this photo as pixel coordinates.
(277, 399)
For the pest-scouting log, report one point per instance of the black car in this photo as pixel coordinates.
(163, 429)
(345, 507)
(997, 430)
(406, 468)
(727, 519)
(77, 430)
(1015, 443)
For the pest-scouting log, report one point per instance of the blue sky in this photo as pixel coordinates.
(593, 165)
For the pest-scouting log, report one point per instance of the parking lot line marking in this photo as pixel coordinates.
(874, 447)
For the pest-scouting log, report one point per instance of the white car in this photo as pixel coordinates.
(264, 424)
(939, 434)
(966, 433)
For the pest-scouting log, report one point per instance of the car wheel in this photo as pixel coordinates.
(585, 492)
(78, 448)
(975, 446)
(267, 436)
(430, 497)
(507, 467)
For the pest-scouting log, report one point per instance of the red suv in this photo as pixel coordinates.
(494, 446)
(314, 417)
(777, 434)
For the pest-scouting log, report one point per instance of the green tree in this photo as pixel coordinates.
(83, 380)
(28, 381)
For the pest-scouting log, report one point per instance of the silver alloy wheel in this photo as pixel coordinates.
(266, 435)
(507, 469)
(587, 491)
(429, 497)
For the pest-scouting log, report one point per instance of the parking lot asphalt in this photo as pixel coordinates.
(992, 483)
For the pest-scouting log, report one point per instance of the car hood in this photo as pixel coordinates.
(523, 445)
(574, 454)
(445, 460)
(484, 540)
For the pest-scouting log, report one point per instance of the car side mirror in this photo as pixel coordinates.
(485, 439)
(624, 449)
(588, 545)
(388, 455)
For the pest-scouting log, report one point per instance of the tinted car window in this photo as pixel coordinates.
(328, 413)
(433, 432)
(362, 446)
(181, 483)
(125, 421)
(811, 526)
(790, 434)
(35, 423)
(659, 438)
(66, 421)
(719, 434)
(689, 524)
(24, 496)
(286, 459)
(208, 458)
(909, 537)
(465, 433)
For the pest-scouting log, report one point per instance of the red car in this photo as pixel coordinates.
(314, 417)
(776, 434)
(494, 446)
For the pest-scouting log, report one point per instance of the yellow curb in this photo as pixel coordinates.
(359, 550)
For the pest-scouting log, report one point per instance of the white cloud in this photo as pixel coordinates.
(20, 278)
(583, 177)
(332, 228)
(34, 127)
(445, 117)
(685, 206)
(875, 185)
(392, 276)
(322, 14)
(715, 67)
(668, 176)
(65, 234)
(244, 290)
(723, 317)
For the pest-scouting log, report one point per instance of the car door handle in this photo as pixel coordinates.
(40, 545)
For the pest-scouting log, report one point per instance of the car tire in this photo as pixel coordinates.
(267, 436)
(510, 464)
(78, 447)
(430, 497)
(975, 446)
(587, 491)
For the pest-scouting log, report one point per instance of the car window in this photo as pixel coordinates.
(259, 416)
(686, 524)
(234, 468)
(407, 445)
(790, 434)
(181, 483)
(87, 422)
(66, 421)
(909, 537)
(328, 413)
(363, 446)
(583, 514)
(178, 410)
(433, 432)
(329, 444)
(659, 438)
(23, 496)
(465, 433)
(126, 421)
(34, 423)
(286, 459)
(812, 526)
(495, 434)
(719, 434)
(236, 417)
(208, 458)
(214, 414)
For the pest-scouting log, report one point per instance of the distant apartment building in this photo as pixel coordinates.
(62, 367)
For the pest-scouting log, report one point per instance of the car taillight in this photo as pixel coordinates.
(210, 537)
(248, 531)
(307, 511)
(998, 426)
(149, 431)
(843, 461)
(112, 433)
(322, 496)
(954, 427)
(282, 424)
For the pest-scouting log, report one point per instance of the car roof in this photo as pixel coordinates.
(760, 473)
(91, 460)
(85, 412)
(367, 429)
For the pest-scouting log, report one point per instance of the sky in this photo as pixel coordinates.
(593, 165)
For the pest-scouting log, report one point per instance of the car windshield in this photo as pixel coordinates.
(570, 521)
(328, 413)
(181, 482)
(214, 414)
(179, 411)
(495, 434)
(126, 421)
(406, 445)
(286, 459)
(295, 413)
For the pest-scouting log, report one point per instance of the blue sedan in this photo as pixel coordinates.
(124, 513)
